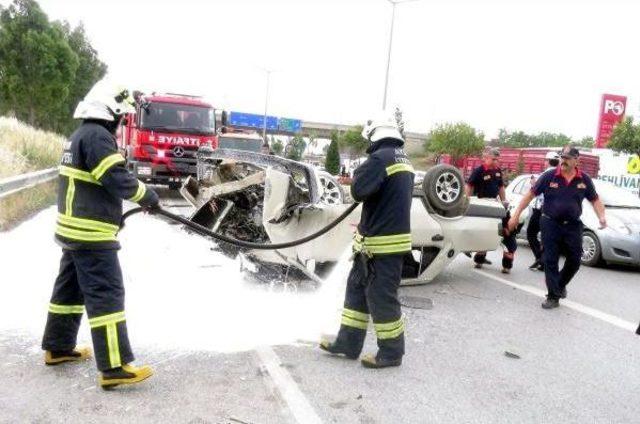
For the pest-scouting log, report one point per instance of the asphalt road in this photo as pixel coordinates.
(568, 365)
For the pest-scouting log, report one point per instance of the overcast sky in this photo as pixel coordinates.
(537, 65)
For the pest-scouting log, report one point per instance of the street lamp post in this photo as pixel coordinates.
(266, 103)
(386, 78)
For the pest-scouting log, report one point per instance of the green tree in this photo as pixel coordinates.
(457, 140)
(332, 161)
(295, 148)
(587, 142)
(277, 146)
(353, 141)
(37, 66)
(626, 137)
(90, 70)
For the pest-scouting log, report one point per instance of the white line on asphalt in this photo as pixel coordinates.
(300, 407)
(595, 313)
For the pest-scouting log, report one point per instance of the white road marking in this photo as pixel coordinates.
(587, 310)
(298, 404)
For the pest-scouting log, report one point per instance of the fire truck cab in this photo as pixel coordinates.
(161, 138)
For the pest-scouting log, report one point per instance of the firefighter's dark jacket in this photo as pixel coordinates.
(92, 183)
(384, 183)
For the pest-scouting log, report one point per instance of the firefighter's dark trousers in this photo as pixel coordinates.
(533, 229)
(91, 279)
(372, 289)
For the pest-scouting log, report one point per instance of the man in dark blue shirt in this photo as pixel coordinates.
(486, 181)
(564, 190)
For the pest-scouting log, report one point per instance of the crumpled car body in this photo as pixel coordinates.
(268, 199)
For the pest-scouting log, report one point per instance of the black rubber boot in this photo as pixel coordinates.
(337, 349)
(550, 303)
(370, 361)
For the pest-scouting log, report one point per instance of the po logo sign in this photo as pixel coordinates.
(633, 165)
(613, 106)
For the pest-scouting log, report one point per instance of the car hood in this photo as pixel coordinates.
(629, 216)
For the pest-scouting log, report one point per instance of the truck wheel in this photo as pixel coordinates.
(591, 251)
(443, 187)
(332, 192)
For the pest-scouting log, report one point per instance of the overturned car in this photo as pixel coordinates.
(268, 199)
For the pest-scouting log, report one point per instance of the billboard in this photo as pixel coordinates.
(612, 108)
(251, 120)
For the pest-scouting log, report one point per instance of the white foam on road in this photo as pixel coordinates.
(587, 310)
(179, 293)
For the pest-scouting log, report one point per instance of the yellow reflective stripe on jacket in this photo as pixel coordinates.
(82, 235)
(66, 309)
(399, 167)
(88, 224)
(71, 191)
(77, 174)
(142, 189)
(105, 164)
(103, 320)
(389, 330)
(395, 243)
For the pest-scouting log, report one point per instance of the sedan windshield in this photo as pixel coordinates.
(177, 117)
(614, 196)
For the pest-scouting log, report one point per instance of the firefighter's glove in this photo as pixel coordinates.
(150, 202)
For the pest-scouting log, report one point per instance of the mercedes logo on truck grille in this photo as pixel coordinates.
(178, 151)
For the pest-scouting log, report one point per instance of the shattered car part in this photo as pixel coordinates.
(268, 199)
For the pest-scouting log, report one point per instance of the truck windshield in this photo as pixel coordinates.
(177, 117)
(246, 144)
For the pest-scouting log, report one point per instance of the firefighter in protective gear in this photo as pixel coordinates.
(93, 181)
(384, 184)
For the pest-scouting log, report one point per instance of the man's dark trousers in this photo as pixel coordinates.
(566, 237)
(91, 278)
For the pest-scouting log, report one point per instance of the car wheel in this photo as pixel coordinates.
(443, 187)
(591, 251)
(332, 192)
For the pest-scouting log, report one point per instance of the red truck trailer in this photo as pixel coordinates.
(161, 138)
(522, 161)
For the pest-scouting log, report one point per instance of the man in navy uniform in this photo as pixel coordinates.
(564, 189)
(384, 185)
(486, 181)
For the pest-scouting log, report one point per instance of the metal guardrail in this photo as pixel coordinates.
(20, 182)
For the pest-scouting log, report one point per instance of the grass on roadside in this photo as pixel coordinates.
(25, 149)
(19, 206)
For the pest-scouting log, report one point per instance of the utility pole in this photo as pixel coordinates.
(266, 103)
(393, 17)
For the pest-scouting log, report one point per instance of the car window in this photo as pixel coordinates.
(518, 186)
(525, 187)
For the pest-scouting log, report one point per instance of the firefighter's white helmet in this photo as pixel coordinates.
(105, 101)
(552, 155)
(382, 126)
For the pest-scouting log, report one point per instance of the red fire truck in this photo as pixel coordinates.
(161, 138)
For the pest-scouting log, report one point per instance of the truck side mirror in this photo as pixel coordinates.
(224, 118)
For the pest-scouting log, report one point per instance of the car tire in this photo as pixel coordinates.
(332, 191)
(591, 250)
(443, 187)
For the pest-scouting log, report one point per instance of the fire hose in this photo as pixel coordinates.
(204, 231)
